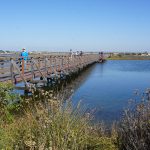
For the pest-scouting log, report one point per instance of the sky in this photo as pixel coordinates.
(88, 25)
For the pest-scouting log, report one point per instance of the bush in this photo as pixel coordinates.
(134, 129)
(8, 101)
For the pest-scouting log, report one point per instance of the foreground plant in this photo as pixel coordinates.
(8, 101)
(134, 129)
(54, 125)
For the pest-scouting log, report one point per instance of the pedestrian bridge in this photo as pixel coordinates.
(43, 68)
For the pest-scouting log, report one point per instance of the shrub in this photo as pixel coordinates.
(134, 129)
(8, 101)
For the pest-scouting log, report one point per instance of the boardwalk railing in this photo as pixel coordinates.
(46, 67)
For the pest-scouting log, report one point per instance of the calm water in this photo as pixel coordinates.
(109, 86)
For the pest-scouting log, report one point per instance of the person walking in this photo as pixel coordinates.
(24, 56)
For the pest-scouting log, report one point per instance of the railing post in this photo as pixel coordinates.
(39, 63)
(68, 63)
(55, 65)
(50, 64)
(39, 69)
(22, 65)
(45, 61)
(13, 80)
(62, 63)
(32, 68)
(18, 70)
(59, 58)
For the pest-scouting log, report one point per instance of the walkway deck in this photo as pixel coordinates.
(45, 67)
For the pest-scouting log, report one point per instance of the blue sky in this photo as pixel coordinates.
(58, 25)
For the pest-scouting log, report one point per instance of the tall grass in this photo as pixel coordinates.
(46, 123)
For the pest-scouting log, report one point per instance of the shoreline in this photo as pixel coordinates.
(129, 58)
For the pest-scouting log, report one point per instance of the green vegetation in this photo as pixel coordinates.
(7, 101)
(42, 122)
(129, 56)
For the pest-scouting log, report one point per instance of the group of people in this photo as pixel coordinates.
(24, 55)
(77, 53)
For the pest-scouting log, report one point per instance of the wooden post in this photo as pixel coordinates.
(58, 63)
(45, 63)
(32, 69)
(62, 63)
(35, 63)
(50, 61)
(68, 63)
(55, 65)
(21, 75)
(39, 63)
(12, 71)
(23, 66)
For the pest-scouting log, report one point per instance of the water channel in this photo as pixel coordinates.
(108, 87)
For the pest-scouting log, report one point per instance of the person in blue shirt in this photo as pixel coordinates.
(24, 55)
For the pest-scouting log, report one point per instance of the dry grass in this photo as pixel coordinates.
(51, 124)
(134, 129)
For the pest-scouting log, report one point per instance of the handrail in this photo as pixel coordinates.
(24, 70)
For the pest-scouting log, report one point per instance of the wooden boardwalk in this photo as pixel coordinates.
(46, 68)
